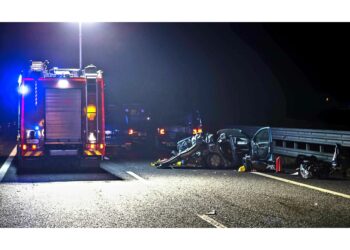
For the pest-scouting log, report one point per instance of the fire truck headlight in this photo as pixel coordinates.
(62, 84)
(23, 89)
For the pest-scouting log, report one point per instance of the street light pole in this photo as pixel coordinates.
(80, 48)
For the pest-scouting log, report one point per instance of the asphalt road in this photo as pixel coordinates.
(128, 192)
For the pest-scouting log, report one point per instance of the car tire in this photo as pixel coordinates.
(214, 160)
(305, 170)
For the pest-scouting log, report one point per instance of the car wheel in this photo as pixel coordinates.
(214, 161)
(305, 170)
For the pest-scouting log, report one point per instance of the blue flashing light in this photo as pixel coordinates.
(36, 127)
(19, 79)
(23, 89)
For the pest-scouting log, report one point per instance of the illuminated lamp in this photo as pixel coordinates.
(92, 138)
(19, 79)
(23, 89)
(131, 131)
(91, 112)
(62, 84)
(162, 131)
(34, 147)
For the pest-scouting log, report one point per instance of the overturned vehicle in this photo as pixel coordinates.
(225, 149)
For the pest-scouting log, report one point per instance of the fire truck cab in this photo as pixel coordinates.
(61, 116)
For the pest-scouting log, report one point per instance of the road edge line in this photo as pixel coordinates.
(136, 176)
(323, 190)
(7, 163)
(211, 221)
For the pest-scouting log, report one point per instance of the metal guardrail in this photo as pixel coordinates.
(324, 137)
(316, 136)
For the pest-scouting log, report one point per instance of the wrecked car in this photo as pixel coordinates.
(225, 149)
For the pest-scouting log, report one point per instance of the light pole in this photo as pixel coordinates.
(80, 47)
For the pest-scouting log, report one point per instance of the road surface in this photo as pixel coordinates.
(128, 192)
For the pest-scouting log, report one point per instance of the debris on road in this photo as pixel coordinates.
(241, 169)
(212, 212)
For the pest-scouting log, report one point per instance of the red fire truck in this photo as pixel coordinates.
(61, 116)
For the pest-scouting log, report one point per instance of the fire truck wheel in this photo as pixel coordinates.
(214, 160)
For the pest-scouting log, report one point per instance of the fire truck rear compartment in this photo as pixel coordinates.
(63, 121)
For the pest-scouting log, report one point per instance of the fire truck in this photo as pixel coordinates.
(61, 116)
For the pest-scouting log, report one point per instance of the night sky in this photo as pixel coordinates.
(275, 74)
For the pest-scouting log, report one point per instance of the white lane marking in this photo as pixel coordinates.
(211, 221)
(136, 176)
(304, 185)
(7, 163)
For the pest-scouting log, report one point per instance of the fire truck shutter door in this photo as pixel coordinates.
(63, 115)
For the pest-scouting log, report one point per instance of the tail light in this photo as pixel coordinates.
(91, 146)
(102, 146)
(131, 131)
(34, 147)
(197, 131)
(24, 147)
(161, 131)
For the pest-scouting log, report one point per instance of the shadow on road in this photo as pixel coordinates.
(36, 175)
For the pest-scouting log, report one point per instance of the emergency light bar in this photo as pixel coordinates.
(37, 66)
(57, 72)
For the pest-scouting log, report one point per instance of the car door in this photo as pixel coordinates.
(261, 144)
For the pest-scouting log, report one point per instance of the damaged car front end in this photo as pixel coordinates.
(224, 149)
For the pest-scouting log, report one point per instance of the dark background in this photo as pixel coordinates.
(277, 74)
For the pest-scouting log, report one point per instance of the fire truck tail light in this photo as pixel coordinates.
(131, 131)
(34, 147)
(161, 131)
(102, 146)
(24, 147)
